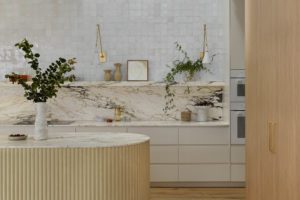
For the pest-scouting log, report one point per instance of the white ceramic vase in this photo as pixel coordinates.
(41, 128)
(202, 113)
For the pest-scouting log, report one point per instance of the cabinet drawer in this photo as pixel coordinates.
(61, 129)
(204, 154)
(204, 135)
(101, 129)
(164, 173)
(164, 154)
(158, 135)
(238, 154)
(238, 173)
(205, 172)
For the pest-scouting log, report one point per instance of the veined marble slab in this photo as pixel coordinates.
(73, 140)
(84, 101)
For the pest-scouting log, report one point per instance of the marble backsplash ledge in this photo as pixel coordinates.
(83, 101)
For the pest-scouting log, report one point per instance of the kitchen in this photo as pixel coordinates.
(160, 83)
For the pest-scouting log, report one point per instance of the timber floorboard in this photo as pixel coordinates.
(198, 194)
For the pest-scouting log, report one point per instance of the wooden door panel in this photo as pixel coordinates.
(288, 62)
(273, 29)
(253, 172)
(261, 107)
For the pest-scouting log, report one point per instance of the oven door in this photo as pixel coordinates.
(237, 87)
(237, 128)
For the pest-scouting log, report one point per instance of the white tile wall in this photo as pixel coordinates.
(132, 29)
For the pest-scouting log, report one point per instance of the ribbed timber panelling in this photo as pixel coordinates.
(112, 173)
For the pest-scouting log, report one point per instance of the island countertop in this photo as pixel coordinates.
(73, 140)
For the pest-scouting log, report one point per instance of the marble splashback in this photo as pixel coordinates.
(143, 101)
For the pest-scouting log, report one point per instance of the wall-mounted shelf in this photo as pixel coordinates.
(145, 83)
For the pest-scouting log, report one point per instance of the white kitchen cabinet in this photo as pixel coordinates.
(204, 154)
(164, 173)
(237, 34)
(101, 129)
(158, 135)
(204, 173)
(237, 154)
(61, 129)
(237, 173)
(164, 154)
(204, 135)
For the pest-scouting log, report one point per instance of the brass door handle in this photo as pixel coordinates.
(272, 134)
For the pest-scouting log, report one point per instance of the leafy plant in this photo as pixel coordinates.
(186, 66)
(45, 83)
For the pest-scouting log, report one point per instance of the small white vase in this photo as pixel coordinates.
(41, 129)
(202, 113)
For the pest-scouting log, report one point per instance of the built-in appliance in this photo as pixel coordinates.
(237, 84)
(237, 106)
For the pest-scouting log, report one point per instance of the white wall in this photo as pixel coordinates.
(132, 29)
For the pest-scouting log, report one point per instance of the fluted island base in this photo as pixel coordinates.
(64, 173)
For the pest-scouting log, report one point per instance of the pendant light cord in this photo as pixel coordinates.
(98, 39)
(205, 45)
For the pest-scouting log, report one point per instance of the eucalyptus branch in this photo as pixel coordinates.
(45, 83)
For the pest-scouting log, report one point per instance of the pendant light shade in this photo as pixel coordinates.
(101, 55)
(206, 57)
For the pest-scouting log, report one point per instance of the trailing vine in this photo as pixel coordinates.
(45, 83)
(185, 66)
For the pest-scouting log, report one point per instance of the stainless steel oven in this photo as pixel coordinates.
(237, 106)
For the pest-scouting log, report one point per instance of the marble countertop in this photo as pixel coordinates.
(149, 123)
(131, 83)
(130, 124)
(73, 140)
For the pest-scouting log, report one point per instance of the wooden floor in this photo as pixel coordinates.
(197, 194)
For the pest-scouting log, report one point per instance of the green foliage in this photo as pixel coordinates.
(45, 83)
(185, 66)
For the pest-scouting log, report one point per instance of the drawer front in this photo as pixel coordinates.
(204, 135)
(159, 135)
(61, 129)
(238, 154)
(101, 129)
(164, 173)
(204, 154)
(238, 173)
(204, 173)
(164, 154)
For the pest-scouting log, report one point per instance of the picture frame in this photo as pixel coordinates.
(137, 70)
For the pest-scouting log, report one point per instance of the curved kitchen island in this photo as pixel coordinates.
(89, 166)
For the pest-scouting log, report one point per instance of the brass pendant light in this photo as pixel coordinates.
(102, 55)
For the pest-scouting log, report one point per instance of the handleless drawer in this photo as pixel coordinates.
(204, 172)
(61, 129)
(238, 154)
(164, 173)
(238, 173)
(204, 135)
(158, 135)
(204, 154)
(101, 129)
(164, 154)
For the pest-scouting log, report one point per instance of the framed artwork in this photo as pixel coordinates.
(137, 70)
